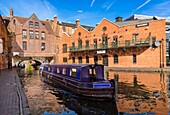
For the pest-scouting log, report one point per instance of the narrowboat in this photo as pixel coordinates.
(83, 79)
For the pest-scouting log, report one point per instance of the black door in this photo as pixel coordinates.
(105, 60)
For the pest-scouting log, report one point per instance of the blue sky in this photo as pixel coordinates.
(90, 12)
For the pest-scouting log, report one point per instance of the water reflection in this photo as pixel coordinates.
(141, 92)
(137, 93)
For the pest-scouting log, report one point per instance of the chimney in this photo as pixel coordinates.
(77, 22)
(55, 19)
(47, 19)
(119, 19)
(11, 12)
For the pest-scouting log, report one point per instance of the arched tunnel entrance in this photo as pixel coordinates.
(30, 62)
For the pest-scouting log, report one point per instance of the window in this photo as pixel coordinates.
(30, 24)
(43, 35)
(64, 71)
(95, 59)
(73, 72)
(134, 38)
(79, 43)
(36, 25)
(73, 60)
(87, 44)
(42, 46)
(14, 21)
(31, 34)
(1, 45)
(115, 59)
(95, 43)
(24, 45)
(87, 59)
(64, 48)
(24, 33)
(104, 28)
(64, 60)
(37, 35)
(58, 70)
(115, 41)
(80, 59)
(153, 40)
(134, 58)
(64, 29)
(72, 30)
(79, 34)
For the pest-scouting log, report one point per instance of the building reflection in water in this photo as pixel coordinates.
(147, 93)
(142, 92)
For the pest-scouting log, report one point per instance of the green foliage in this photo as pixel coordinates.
(29, 70)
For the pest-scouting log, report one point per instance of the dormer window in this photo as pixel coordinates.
(36, 25)
(30, 24)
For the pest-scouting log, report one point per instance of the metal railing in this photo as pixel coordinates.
(110, 45)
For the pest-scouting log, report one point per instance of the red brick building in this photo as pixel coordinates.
(32, 37)
(5, 44)
(135, 43)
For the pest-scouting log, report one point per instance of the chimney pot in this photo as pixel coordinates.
(11, 12)
(77, 22)
(119, 19)
(55, 19)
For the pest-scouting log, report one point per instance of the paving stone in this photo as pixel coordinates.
(9, 99)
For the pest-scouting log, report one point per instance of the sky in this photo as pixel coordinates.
(89, 12)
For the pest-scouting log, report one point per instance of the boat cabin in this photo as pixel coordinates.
(80, 72)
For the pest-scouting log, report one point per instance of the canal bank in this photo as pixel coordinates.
(131, 69)
(12, 97)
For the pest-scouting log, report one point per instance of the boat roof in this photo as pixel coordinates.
(74, 65)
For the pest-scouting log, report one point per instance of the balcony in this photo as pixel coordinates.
(112, 45)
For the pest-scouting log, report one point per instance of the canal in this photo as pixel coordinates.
(137, 93)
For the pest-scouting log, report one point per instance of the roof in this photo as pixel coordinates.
(74, 65)
(132, 22)
(89, 28)
(142, 17)
(23, 20)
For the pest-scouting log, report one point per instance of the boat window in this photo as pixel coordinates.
(73, 72)
(48, 68)
(58, 70)
(92, 74)
(64, 71)
(92, 71)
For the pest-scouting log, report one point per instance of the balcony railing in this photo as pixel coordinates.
(111, 45)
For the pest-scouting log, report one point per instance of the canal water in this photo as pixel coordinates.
(137, 94)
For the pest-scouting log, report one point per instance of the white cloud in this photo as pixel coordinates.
(108, 5)
(4, 10)
(92, 3)
(143, 4)
(80, 11)
(42, 8)
(161, 9)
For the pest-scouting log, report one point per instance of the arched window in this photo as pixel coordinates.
(24, 45)
(79, 43)
(80, 59)
(73, 59)
(1, 45)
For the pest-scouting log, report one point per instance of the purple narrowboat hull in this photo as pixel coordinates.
(101, 89)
